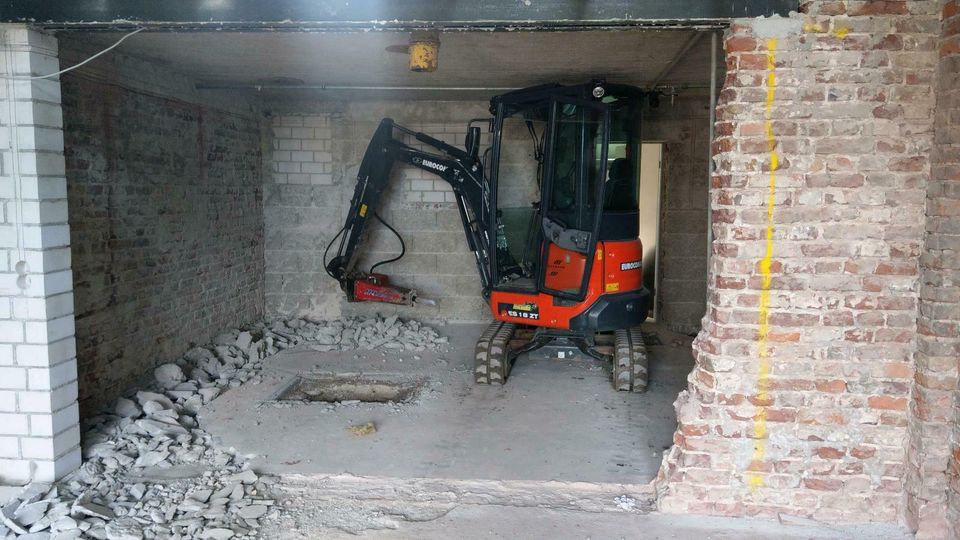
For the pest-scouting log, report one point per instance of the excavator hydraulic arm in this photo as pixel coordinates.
(462, 169)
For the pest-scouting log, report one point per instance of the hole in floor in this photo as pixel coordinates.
(340, 389)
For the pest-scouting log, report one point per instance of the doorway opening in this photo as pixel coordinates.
(650, 179)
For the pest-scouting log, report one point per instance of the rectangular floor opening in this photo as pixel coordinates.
(344, 388)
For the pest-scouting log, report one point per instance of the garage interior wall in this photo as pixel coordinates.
(318, 147)
(683, 127)
(166, 215)
(205, 175)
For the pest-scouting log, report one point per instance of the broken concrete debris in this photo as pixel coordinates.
(126, 408)
(156, 429)
(366, 333)
(169, 375)
(625, 502)
(245, 477)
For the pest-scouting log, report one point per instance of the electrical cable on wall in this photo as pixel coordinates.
(22, 267)
(75, 66)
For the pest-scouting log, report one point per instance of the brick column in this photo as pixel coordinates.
(933, 476)
(798, 403)
(39, 421)
(933, 414)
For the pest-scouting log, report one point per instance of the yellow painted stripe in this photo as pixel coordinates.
(763, 360)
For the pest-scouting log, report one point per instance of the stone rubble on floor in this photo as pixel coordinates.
(156, 429)
(625, 502)
(369, 333)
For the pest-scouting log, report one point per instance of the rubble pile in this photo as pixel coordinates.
(217, 505)
(365, 333)
(156, 429)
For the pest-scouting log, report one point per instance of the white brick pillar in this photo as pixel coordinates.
(39, 419)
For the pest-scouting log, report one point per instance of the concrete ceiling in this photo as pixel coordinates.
(467, 59)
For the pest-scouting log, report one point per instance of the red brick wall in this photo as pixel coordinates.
(933, 484)
(799, 399)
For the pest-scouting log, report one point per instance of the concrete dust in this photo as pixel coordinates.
(323, 518)
(467, 522)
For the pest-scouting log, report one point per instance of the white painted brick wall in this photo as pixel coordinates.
(9, 447)
(13, 378)
(39, 422)
(60, 421)
(8, 401)
(14, 424)
(11, 331)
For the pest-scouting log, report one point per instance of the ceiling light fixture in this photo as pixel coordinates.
(424, 50)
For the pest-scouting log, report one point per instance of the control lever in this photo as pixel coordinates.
(571, 239)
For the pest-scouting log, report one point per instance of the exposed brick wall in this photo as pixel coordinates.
(317, 150)
(933, 476)
(166, 217)
(682, 127)
(813, 422)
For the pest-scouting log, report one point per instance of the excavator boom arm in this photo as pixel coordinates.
(461, 169)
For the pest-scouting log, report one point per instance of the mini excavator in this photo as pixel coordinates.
(550, 212)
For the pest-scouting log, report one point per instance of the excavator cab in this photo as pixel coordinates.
(560, 203)
(550, 214)
(571, 186)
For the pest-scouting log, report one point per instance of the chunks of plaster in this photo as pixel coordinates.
(155, 429)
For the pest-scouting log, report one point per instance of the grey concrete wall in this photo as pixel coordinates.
(165, 208)
(683, 128)
(317, 151)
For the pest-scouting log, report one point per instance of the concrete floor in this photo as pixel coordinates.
(554, 419)
(498, 522)
(553, 454)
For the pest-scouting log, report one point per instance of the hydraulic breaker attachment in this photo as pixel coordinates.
(377, 288)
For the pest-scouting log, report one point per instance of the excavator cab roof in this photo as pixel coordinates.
(597, 91)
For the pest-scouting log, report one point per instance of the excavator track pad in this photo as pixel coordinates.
(502, 342)
(630, 364)
(492, 361)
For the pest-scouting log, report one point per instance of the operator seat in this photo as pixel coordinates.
(619, 189)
